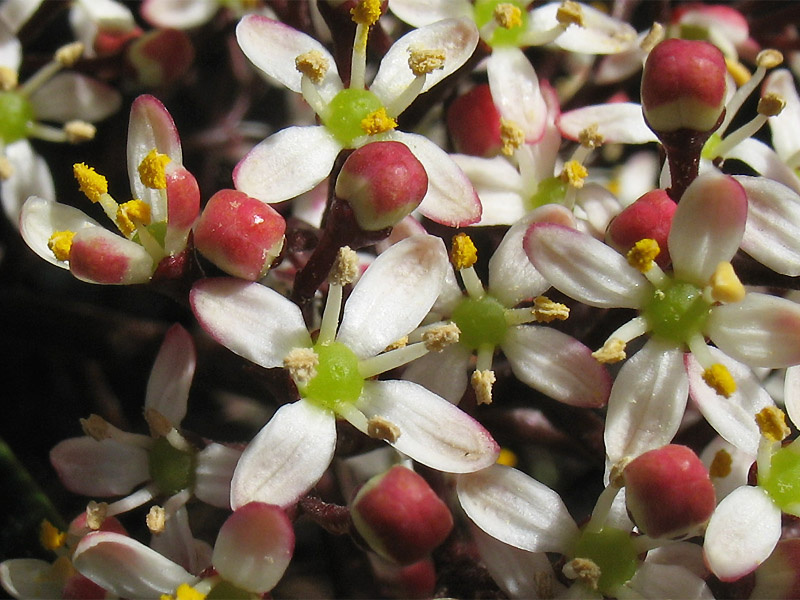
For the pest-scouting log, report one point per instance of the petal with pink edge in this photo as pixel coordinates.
(40, 218)
(171, 376)
(515, 91)
(30, 578)
(618, 122)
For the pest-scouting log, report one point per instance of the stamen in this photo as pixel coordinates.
(570, 13)
(440, 337)
(771, 105)
(383, 429)
(584, 570)
(131, 215)
(463, 253)
(738, 71)
(156, 520)
(345, 268)
(423, 61)
(612, 351)
(401, 343)
(185, 592)
(507, 15)
(482, 382)
(377, 122)
(366, 12)
(79, 131)
(771, 421)
(96, 427)
(313, 64)
(725, 284)
(60, 244)
(92, 184)
(152, 171)
(51, 537)
(511, 136)
(718, 378)
(574, 174)
(721, 465)
(590, 137)
(545, 310)
(95, 514)
(302, 365)
(615, 477)
(158, 424)
(643, 254)
(68, 55)
(6, 169)
(507, 457)
(8, 79)
(769, 58)
(653, 37)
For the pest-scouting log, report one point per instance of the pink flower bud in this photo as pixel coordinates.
(100, 256)
(159, 57)
(474, 123)
(668, 491)
(239, 234)
(649, 217)
(779, 576)
(382, 182)
(183, 197)
(400, 516)
(80, 587)
(683, 86)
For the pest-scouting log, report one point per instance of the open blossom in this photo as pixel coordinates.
(295, 159)
(702, 298)
(333, 373)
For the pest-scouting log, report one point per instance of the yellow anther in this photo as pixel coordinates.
(60, 244)
(131, 215)
(771, 105)
(377, 122)
(92, 184)
(68, 55)
(725, 284)
(96, 514)
(345, 268)
(612, 351)
(738, 71)
(313, 65)
(507, 458)
(482, 382)
(79, 131)
(643, 254)
(616, 476)
(769, 58)
(157, 423)
(720, 379)
(591, 137)
(184, 592)
(152, 170)
(721, 465)
(545, 310)
(8, 78)
(424, 61)
(438, 338)
(771, 421)
(302, 365)
(570, 13)
(366, 12)
(382, 429)
(507, 15)
(653, 37)
(511, 135)
(401, 343)
(463, 253)
(574, 173)
(96, 427)
(156, 519)
(50, 536)
(584, 570)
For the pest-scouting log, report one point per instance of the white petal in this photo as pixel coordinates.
(791, 395)
(557, 365)
(393, 295)
(451, 200)
(287, 163)
(786, 124)
(456, 37)
(254, 321)
(599, 207)
(707, 227)
(760, 331)
(171, 377)
(741, 533)
(30, 177)
(30, 579)
(490, 174)
(105, 468)
(515, 91)
(517, 510)
(600, 35)
(213, 474)
(432, 431)
(69, 96)
(772, 234)
(287, 457)
(684, 554)
(617, 122)
(734, 418)
(657, 581)
(178, 14)
(15, 13)
(126, 567)
(427, 372)
(765, 161)
(647, 401)
(424, 12)
(178, 544)
(585, 268)
(273, 47)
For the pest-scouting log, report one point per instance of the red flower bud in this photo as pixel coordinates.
(474, 123)
(649, 217)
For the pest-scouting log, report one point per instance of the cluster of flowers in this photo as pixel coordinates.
(434, 421)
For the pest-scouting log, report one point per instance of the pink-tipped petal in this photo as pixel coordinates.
(515, 90)
(171, 377)
(617, 122)
(100, 256)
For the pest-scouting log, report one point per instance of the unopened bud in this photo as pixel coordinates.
(474, 123)
(650, 217)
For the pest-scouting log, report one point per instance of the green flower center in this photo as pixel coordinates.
(227, 591)
(16, 112)
(782, 483)
(709, 151)
(346, 111)
(677, 312)
(171, 469)
(612, 550)
(481, 321)
(484, 13)
(552, 190)
(337, 379)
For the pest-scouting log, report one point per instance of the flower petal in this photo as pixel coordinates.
(741, 533)
(600, 34)
(764, 160)
(30, 177)
(30, 578)
(253, 321)
(585, 268)
(287, 457)
(653, 580)
(791, 394)
(287, 163)
(557, 365)
(425, 12)
(785, 125)
(617, 122)
(517, 510)
(432, 431)
(171, 377)
(69, 96)
(647, 401)
(393, 295)
(213, 473)
(760, 331)
(515, 91)
(167, 14)
(427, 372)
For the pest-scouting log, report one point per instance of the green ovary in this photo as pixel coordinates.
(171, 469)
(484, 13)
(337, 379)
(552, 190)
(227, 591)
(782, 483)
(612, 550)
(346, 111)
(16, 112)
(677, 312)
(482, 322)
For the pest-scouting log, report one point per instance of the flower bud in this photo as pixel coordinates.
(683, 86)
(382, 182)
(183, 198)
(239, 234)
(400, 516)
(668, 491)
(159, 57)
(649, 217)
(779, 576)
(473, 122)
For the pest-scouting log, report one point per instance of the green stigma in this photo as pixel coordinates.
(337, 379)
(171, 469)
(677, 312)
(346, 111)
(782, 482)
(16, 113)
(482, 322)
(483, 12)
(552, 190)
(612, 550)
